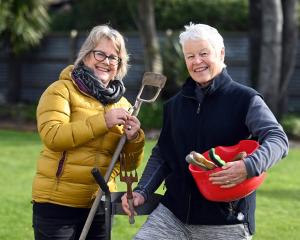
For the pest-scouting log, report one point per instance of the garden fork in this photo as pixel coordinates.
(149, 79)
(128, 177)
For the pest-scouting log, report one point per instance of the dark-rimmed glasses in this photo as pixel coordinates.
(101, 56)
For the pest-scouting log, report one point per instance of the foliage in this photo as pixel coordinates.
(18, 112)
(151, 115)
(278, 199)
(173, 14)
(223, 14)
(23, 23)
(4, 14)
(86, 14)
(291, 125)
(173, 64)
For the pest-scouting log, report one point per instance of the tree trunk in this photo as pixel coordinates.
(14, 87)
(255, 18)
(271, 50)
(289, 47)
(147, 28)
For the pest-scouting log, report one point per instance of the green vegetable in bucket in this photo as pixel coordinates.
(216, 158)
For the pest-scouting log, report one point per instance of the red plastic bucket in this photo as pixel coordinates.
(214, 192)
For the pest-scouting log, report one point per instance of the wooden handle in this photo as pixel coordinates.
(131, 208)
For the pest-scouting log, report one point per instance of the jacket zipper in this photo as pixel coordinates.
(231, 210)
(60, 167)
(189, 197)
(234, 214)
(198, 108)
(189, 208)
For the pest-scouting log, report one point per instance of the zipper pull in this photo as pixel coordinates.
(231, 212)
(198, 108)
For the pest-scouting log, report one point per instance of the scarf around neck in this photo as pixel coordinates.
(87, 82)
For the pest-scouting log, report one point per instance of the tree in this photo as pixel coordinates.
(255, 40)
(289, 47)
(22, 25)
(271, 51)
(273, 44)
(144, 17)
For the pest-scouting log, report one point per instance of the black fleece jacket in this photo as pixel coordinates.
(199, 119)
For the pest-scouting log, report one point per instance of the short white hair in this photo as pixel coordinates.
(202, 32)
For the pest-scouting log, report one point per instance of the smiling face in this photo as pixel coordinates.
(103, 70)
(202, 60)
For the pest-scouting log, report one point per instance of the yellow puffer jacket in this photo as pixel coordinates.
(72, 127)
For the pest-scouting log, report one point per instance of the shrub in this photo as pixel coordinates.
(291, 125)
(173, 64)
(223, 14)
(151, 115)
(18, 112)
(174, 14)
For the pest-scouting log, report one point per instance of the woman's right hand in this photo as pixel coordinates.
(138, 200)
(116, 116)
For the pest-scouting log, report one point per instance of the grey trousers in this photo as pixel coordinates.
(163, 225)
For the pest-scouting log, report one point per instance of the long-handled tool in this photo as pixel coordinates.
(128, 177)
(113, 202)
(149, 79)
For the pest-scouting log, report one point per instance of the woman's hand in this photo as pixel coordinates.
(132, 127)
(116, 116)
(119, 116)
(138, 200)
(232, 174)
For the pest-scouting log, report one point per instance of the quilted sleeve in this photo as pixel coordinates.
(55, 127)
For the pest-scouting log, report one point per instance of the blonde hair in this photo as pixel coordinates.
(98, 33)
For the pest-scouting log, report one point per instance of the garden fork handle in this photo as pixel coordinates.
(130, 201)
(115, 157)
(96, 202)
(131, 208)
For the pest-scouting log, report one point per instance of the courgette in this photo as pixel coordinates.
(216, 158)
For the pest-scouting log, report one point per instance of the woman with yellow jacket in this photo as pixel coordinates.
(80, 119)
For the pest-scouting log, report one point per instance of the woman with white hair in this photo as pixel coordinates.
(81, 118)
(210, 110)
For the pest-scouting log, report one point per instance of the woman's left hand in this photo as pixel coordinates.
(132, 126)
(232, 174)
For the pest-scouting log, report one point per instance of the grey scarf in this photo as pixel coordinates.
(87, 82)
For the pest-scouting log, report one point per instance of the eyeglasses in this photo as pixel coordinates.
(101, 56)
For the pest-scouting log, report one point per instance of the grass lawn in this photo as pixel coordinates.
(278, 199)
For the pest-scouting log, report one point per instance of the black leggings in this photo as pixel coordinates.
(67, 228)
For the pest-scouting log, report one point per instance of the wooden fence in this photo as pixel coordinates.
(42, 65)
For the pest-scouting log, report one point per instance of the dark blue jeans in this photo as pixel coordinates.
(67, 228)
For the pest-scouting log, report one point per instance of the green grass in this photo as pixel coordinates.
(278, 205)
(278, 199)
(19, 152)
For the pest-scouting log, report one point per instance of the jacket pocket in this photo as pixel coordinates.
(60, 166)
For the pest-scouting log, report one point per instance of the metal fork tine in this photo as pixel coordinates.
(128, 176)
